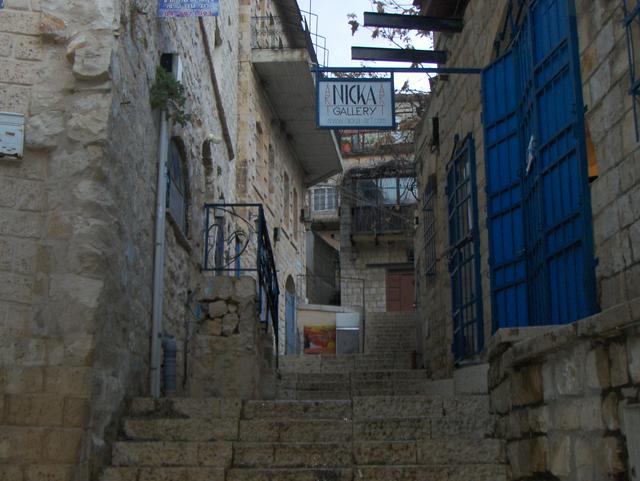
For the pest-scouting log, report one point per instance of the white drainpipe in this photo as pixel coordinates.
(158, 264)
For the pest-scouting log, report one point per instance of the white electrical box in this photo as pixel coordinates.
(11, 135)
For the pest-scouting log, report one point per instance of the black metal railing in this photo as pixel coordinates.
(237, 242)
(378, 219)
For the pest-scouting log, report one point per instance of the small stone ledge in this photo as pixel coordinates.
(505, 338)
(521, 345)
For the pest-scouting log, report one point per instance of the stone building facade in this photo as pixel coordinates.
(372, 235)
(77, 210)
(564, 414)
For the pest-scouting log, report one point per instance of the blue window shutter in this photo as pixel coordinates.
(503, 164)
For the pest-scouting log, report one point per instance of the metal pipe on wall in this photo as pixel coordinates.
(158, 259)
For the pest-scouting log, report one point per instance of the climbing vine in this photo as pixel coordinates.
(169, 94)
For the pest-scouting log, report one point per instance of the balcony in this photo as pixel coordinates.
(376, 142)
(383, 220)
(383, 206)
(324, 207)
(282, 54)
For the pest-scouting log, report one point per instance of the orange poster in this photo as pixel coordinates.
(320, 339)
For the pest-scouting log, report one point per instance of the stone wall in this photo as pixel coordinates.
(55, 232)
(456, 101)
(232, 355)
(268, 171)
(562, 395)
(77, 216)
(615, 195)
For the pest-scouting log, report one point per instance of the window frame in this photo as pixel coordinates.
(178, 186)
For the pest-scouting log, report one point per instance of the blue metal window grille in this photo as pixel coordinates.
(632, 26)
(430, 227)
(538, 201)
(464, 256)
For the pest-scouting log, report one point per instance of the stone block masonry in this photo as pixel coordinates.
(76, 223)
(231, 356)
(561, 397)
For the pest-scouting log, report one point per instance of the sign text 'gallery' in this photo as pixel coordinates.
(356, 104)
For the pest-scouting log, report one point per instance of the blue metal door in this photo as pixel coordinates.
(537, 175)
(290, 323)
(464, 256)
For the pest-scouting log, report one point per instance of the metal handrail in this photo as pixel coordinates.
(226, 250)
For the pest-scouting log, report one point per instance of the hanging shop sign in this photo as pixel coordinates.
(188, 8)
(356, 103)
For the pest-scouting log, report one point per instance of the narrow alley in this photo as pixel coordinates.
(287, 240)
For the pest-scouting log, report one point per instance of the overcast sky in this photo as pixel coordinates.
(332, 24)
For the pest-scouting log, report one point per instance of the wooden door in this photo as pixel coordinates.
(400, 290)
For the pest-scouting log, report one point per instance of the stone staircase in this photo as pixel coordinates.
(390, 333)
(363, 417)
(377, 427)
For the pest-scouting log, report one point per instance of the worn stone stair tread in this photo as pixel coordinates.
(294, 455)
(191, 429)
(442, 472)
(317, 409)
(429, 452)
(289, 474)
(172, 453)
(295, 430)
(198, 408)
(163, 474)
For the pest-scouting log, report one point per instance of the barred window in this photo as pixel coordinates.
(430, 226)
(177, 187)
(632, 25)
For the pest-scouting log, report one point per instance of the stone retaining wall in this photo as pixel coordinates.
(232, 356)
(562, 393)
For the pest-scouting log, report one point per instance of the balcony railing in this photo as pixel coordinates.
(237, 242)
(383, 219)
(274, 33)
(376, 142)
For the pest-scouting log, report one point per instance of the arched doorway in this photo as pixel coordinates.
(291, 333)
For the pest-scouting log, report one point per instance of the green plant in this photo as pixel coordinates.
(169, 94)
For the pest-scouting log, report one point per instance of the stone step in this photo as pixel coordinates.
(387, 390)
(315, 395)
(419, 406)
(429, 452)
(423, 428)
(315, 474)
(294, 409)
(343, 365)
(292, 455)
(296, 430)
(198, 408)
(431, 473)
(163, 474)
(174, 454)
(191, 429)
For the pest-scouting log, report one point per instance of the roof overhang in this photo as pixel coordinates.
(441, 8)
(291, 89)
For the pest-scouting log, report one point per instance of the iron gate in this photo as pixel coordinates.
(464, 254)
(539, 213)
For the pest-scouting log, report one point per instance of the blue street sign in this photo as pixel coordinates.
(187, 8)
